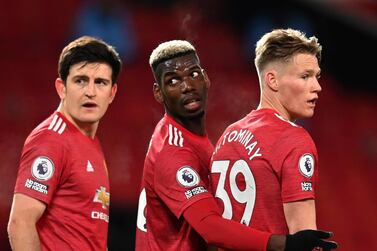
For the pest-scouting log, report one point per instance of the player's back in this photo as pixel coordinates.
(249, 169)
(175, 162)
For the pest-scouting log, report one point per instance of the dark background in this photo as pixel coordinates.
(344, 127)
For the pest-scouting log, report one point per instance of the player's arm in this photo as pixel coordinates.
(300, 215)
(205, 218)
(299, 174)
(25, 213)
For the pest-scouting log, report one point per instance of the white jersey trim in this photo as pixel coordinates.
(57, 125)
(280, 117)
(175, 136)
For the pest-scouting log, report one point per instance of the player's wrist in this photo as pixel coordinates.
(276, 242)
(289, 242)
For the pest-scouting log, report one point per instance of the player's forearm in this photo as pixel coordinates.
(300, 215)
(296, 226)
(232, 235)
(23, 236)
(205, 218)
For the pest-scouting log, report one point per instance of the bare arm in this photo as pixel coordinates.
(24, 215)
(300, 215)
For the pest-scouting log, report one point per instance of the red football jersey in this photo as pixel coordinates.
(175, 176)
(259, 163)
(65, 169)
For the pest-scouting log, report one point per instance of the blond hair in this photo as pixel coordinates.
(169, 50)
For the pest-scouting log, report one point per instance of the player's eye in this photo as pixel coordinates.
(305, 76)
(80, 81)
(173, 81)
(194, 74)
(101, 82)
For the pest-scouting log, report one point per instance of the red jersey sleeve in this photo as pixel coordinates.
(40, 167)
(181, 180)
(205, 218)
(299, 168)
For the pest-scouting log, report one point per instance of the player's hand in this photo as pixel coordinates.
(306, 240)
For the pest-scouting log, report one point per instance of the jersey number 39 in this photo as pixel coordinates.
(246, 196)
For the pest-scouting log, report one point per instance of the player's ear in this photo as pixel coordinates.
(60, 88)
(114, 89)
(206, 78)
(157, 93)
(270, 78)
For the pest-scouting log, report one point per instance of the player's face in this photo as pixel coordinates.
(298, 86)
(87, 93)
(183, 87)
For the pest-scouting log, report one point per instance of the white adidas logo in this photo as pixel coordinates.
(89, 167)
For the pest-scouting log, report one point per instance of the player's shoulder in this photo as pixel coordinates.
(53, 129)
(268, 120)
(285, 125)
(295, 135)
(166, 140)
(293, 130)
(167, 135)
(176, 136)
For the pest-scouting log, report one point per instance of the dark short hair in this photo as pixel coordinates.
(90, 50)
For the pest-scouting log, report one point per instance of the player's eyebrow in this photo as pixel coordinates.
(82, 76)
(105, 80)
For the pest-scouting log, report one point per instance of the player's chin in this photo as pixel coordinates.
(90, 118)
(308, 113)
(195, 113)
(302, 114)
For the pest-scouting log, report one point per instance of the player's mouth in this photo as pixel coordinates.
(192, 103)
(312, 102)
(89, 105)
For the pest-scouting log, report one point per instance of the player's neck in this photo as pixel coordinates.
(197, 128)
(274, 104)
(88, 129)
(195, 125)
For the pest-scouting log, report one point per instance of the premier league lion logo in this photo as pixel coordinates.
(187, 177)
(42, 168)
(308, 164)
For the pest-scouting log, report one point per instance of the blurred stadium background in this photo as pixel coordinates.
(224, 32)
